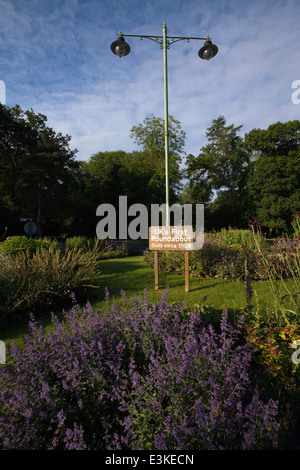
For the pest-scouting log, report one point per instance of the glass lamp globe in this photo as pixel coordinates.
(120, 47)
(208, 51)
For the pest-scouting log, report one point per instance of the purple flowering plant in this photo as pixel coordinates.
(133, 376)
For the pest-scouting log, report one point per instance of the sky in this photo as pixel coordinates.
(55, 58)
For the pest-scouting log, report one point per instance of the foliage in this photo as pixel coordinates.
(253, 177)
(133, 377)
(42, 280)
(222, 165)
(232, 254)
(151, 136)
(105, 248)
(274, 351)
(212, 261)
(282, 261)
(296, 223)
(20, 244)
(36, 164)
(274, 183)
(223, 255)
(274, 336)
(241, 239)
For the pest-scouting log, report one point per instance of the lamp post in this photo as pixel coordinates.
(207, 52)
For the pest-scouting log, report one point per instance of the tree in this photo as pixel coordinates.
(15, 143)
(199, 187)
(137, 175)
(221, 166)
(274, 185)
(151, 136)
(35, 161)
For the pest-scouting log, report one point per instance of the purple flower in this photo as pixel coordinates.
(249, 291)
(133, 376)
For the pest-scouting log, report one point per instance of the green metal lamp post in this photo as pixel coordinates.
(207, 52)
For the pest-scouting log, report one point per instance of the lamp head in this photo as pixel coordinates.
(120, 47)
(208, 51)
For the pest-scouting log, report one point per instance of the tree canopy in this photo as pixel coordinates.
(274, 185)
(221, 166)
(237, 178)
(151, 136)
(35, 163)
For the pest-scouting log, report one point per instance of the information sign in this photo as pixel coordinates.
(174, 238)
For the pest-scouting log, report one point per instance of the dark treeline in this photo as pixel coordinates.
(237, 179)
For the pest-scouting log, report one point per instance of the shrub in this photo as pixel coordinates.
(43, 280)
(21, 244)
(133, 376)
(282, 262)
(113, 250)
(274, 351)
(80, 242)
(212, 260)
(105, 248)
(233, 254)
(296, 223)
(235, 238)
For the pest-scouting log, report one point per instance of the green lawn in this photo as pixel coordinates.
(133, 275)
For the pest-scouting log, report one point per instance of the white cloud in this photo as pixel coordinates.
(56, 58)
(2, 92)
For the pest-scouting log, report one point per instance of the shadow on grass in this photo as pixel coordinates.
(207, 286)
(133, 275)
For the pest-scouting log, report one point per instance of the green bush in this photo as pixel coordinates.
(213, 260)
(238, 239)
(282, 262)
(201, 262)
(80, 242)
(235, 254)
(105, 249)
(21, 244)
(44, 280)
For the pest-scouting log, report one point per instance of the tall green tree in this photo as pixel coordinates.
(222, 168)
(151, 136)
(16, 142)
(35, 164)
(274, 185)
(104, 177)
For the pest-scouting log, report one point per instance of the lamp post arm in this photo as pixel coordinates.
(159, 39)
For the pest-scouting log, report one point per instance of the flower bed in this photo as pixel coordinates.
(43, 280)
(137, 376)
(227, 258)
(41, 274)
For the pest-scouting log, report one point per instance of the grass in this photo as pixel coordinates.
(133, 275)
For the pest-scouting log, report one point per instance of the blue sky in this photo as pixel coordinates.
(55, 58)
